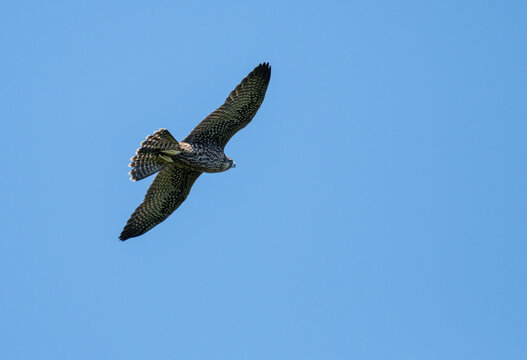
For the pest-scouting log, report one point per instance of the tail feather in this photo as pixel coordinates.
(152, 155)
(160, 140)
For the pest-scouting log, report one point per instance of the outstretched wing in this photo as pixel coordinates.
(237, 111)
(168, 190)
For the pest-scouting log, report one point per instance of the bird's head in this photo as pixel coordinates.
(228, 163)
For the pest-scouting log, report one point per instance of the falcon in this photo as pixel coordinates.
(180, 163)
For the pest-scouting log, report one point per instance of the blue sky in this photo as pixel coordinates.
(377, 210)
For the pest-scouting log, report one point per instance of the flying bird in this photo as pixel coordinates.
(180, 163)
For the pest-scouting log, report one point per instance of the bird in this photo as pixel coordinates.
(180, 163)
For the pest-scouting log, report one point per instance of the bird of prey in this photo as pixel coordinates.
(180, 163)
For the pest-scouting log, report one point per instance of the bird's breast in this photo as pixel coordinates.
(200, 157)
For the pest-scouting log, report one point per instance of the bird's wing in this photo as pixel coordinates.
(237, 111)
(168, 190)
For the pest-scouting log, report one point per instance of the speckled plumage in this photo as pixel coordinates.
(181, 163)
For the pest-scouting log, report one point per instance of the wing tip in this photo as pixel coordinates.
(262, 70)
(127, 233)
(265, 64)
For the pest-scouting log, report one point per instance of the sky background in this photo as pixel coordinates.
(377, 210)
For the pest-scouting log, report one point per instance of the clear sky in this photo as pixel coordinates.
(377, 210)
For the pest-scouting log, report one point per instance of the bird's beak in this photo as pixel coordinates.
(233, 165)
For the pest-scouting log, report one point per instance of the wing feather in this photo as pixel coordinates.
(237, 111)
(168, 190)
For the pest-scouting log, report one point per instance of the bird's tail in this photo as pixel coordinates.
(155, 152)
